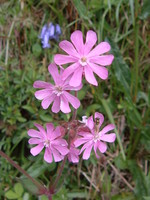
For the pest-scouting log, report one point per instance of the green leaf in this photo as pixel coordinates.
(120, 163)
(83, 12)
(36, 49)
(147, 198)
(121, 69)
(18, 189)
(11, 195)
(145, 13)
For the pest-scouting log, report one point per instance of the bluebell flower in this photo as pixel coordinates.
(49, 32)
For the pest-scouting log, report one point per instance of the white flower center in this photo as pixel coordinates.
(83, 61)
(46, 143)
(58, 90)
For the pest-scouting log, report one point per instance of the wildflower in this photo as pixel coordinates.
(95, 138)
(55, 146)
(49, 32)
(73, 155)
(84, 120)
(58, 93)
(85, 59)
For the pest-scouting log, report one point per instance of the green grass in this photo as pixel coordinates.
(124, 99)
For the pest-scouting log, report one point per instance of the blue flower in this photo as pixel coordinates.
(49, 32)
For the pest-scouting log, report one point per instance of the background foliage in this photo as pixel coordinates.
(121, 173)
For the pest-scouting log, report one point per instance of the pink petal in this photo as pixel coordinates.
(34, 133)
(90, 122)
(91, 39)
(102, 60)
(108, 137)
(86, 145)
(48, 155)
(80, 141)
(42, 84)
(73, 158)
(100, 117)
(87, 152)
(57, 156)
(77, 77)
(56, 105)
(77, 40)
(36, 150)
(68, 48)
(59, 141)
(86, 135)
(34, 141)
(69, 70)
(101, 48)
(63, 150)
(41, 129)
(41, 94)
(95, 149)
(64, 59)
(107, 128)
(53, 70)
(64, 104)
(73, 100)
(102, 146)
(90, 76)
(47, 101)
(49, 128)
(102, 72)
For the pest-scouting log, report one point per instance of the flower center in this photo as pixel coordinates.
(83, 61)
(46, 143)
(96, 137)
(58, 90)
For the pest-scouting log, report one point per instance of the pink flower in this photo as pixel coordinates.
(73, 155)
(58, 93)
(51, 139)
(95, 139)
(85, 59)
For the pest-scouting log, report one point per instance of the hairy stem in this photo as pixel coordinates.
(41, 188)
(75, 110)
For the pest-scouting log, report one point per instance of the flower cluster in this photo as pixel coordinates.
(83, 59)
(49, 32)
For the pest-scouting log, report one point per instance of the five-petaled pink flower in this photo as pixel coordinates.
(51, 139)
(58, 93)
(95, 139)
(85, 59)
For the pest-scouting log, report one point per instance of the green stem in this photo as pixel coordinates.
(136, 50)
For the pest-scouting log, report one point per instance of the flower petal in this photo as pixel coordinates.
(102, 60)
(36, 150)
(47, 101)
(42, 84)
(77, 40)
(57, 156)
(76, 79)
(108, 137)
(107, 128)
(74, 101)
(90, 76)
(69, 70)
(34, 133)
(64, 104)
(56, 105)
(64, 59)
(101, 48)
(49, 128)
(34, 141)
(48, 155)
(91, 39)
(63, 150)
(78, 142)
(68, 48)
(41, 94)
(41, 129)
(87, 152)
(95, 149)
(90, 122)
(102, 72)
(53, 70)
(102, 146)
